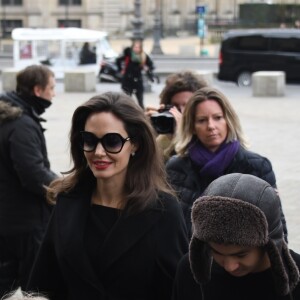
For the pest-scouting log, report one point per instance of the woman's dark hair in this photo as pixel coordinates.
(31, 76)
(145, 174)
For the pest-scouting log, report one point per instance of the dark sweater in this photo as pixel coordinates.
(258, 286)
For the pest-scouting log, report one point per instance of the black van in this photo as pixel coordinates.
(243, 52)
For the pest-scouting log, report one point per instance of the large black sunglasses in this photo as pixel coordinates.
(111, 142)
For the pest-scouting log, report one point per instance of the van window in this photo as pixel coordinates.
(285, 45)
(252, 43)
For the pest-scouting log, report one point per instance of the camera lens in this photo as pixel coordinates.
(163, 123)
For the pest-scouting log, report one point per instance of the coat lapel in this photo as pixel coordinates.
(74, 210)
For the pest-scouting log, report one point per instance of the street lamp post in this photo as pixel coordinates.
(234, 12)
(67, 14)
(217, 11)
(137, 22)
(157, 29)
(138, 34)
(3, 22)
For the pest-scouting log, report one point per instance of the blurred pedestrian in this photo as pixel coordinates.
(210, 143)
(24, 173)
(238, 249)
(86, 55)
(131, 63)
(178, 89)
(117, 231)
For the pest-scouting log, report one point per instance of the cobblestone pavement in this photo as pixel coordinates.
(271, 124)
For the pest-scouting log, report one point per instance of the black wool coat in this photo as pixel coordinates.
(138, 258)
(183, 176)
(24, 167)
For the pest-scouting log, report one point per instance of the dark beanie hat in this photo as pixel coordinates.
(241, 209)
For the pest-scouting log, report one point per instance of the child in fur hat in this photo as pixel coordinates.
(237, 250)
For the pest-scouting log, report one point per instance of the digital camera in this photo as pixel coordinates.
(163, 121)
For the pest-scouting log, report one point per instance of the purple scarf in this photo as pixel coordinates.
(212, 164)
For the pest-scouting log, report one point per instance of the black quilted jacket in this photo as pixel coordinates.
(183, 176)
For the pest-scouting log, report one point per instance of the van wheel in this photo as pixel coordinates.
(244, 79)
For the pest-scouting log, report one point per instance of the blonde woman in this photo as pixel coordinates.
(211, 143)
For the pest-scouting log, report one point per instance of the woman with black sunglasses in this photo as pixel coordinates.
(116, 232)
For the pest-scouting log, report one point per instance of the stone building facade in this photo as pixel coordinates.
(116, 16)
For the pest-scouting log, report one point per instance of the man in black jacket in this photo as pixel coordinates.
(24, 173)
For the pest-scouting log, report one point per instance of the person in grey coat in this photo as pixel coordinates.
(24, 172)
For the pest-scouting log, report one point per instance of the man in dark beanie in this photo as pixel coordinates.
(24, 172)
(237, 250)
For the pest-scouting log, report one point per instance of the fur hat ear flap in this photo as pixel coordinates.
(290, 265)
(200, 260)
(279, 274)
(284, 269)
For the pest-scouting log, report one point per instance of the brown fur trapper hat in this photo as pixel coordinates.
(243, 210)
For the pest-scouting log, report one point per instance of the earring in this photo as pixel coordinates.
(133, 154)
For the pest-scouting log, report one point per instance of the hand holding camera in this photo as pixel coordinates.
(164, 120)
